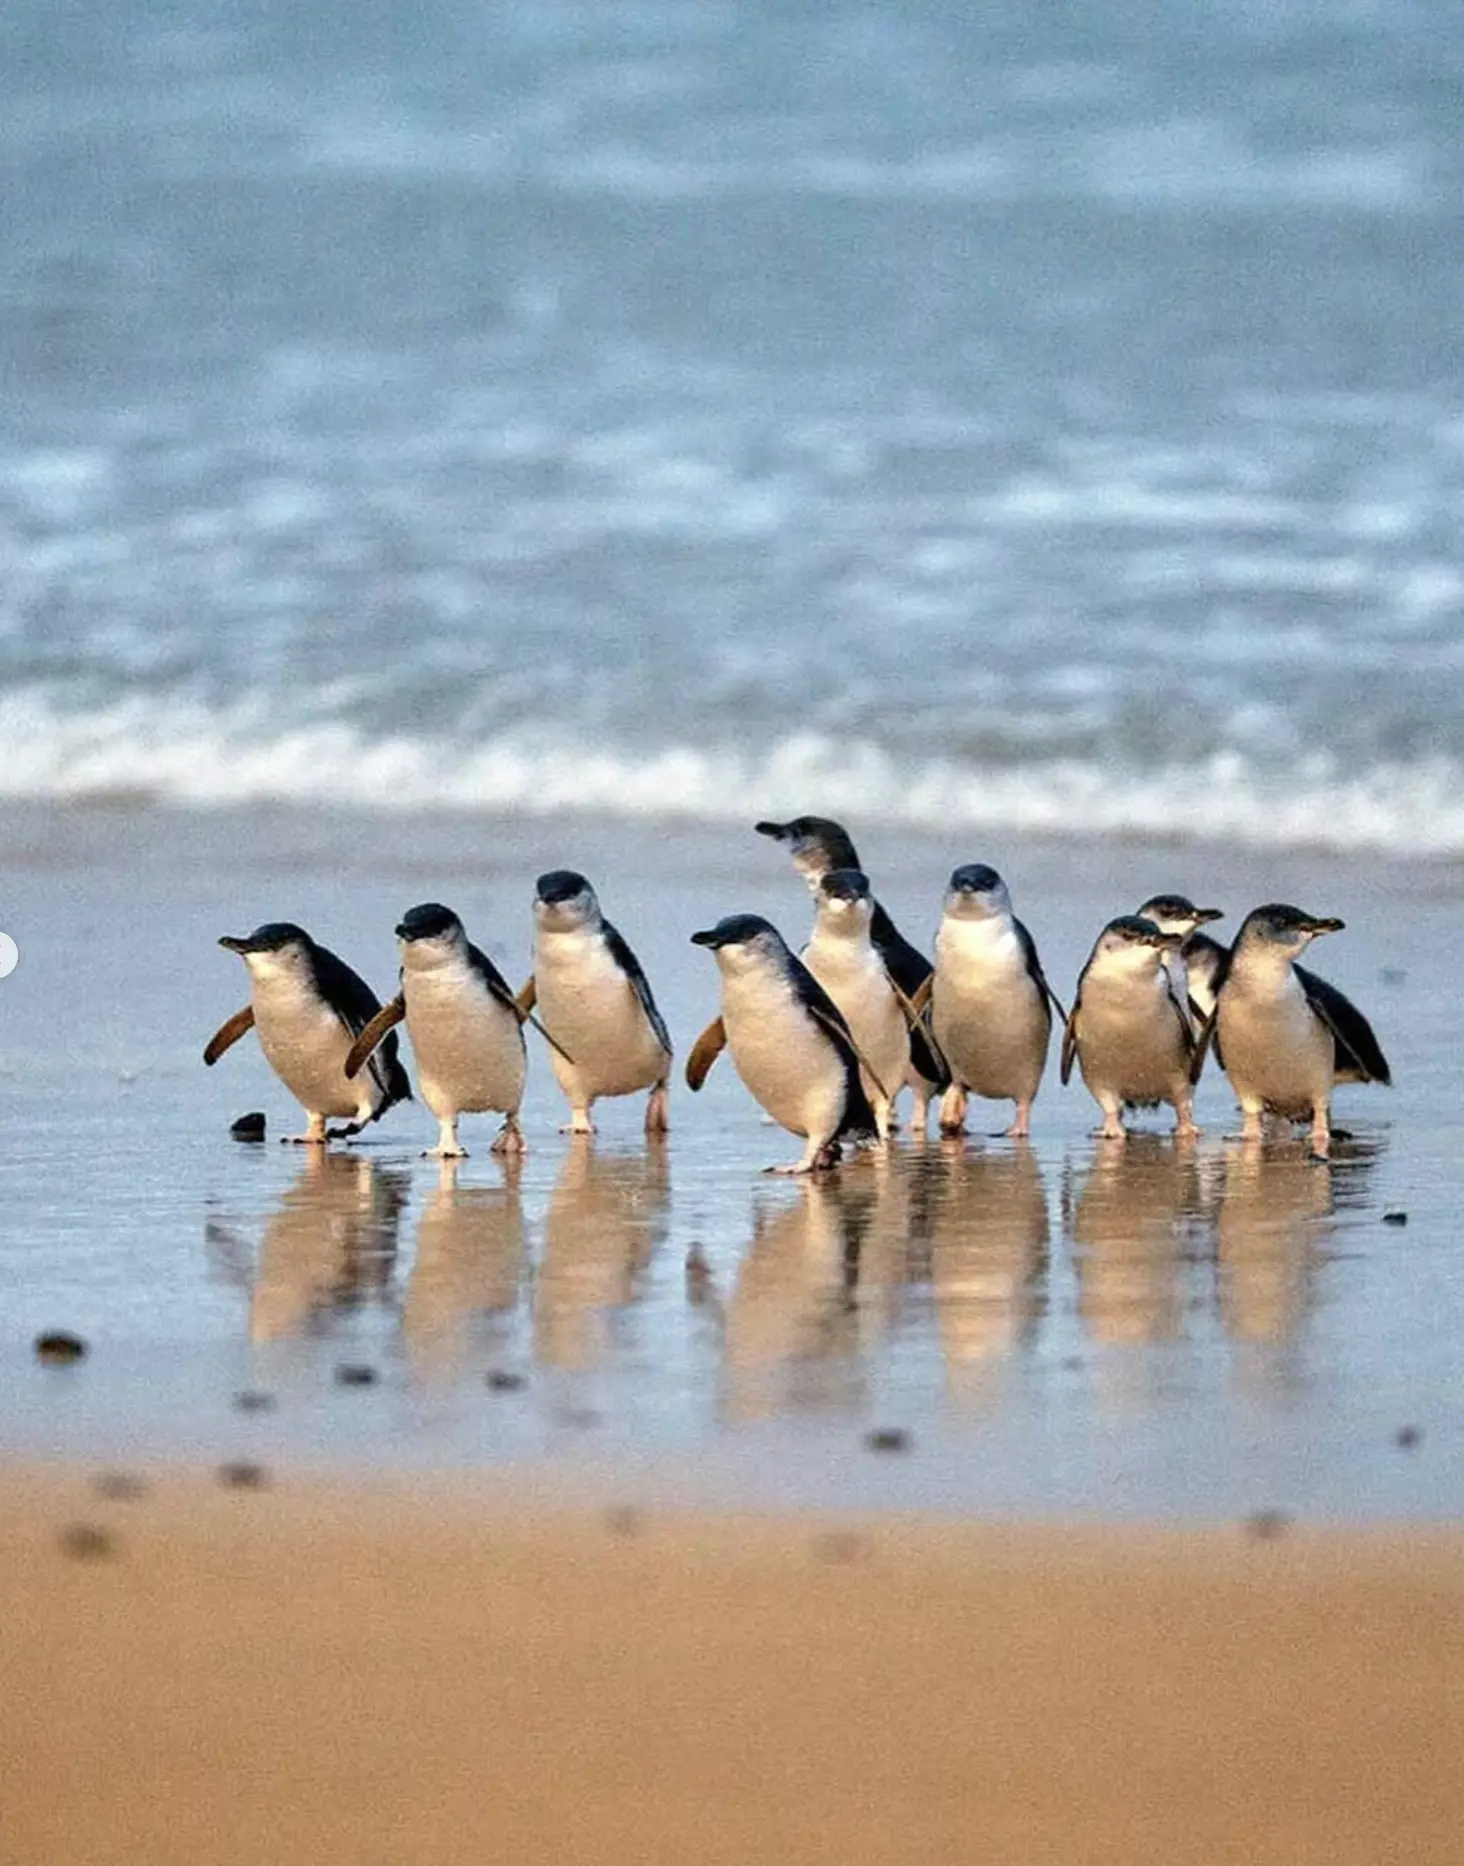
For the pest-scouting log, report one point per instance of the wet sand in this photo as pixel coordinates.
(452, 1673)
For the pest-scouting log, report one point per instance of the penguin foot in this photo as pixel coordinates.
(305, 1140)
(510, 1139)
(1109, 1133)
(348, 1132)
(658, 1119)
(577, 1127)
(444, 1153)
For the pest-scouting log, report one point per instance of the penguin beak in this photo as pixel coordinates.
(1316, 927)
(776, 830)
(235, 945)
(1202, 914)
(405, 932)
(1166, 942)
(709, 936)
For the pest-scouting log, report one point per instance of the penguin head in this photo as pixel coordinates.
(816, 843)
(277, 946)
(844, 903)
(1284, 929)
(429, 933)
(743, 943)
(977, 892)
(564, 901)
(1174, 913)
(1134, 943)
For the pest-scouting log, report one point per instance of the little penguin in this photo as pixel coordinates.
(1130, 1030)
(466, 1030)
(841, 957)
(789, 1041)
(818, 847)
(596, 1004)
(309, 1007)
(1283, 1035)
(992, 1007)
(1195, 965)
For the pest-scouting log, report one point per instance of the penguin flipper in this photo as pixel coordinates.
(1183, 1009)
(1035, 972)
(1357, 1050)
(639, 983)
(704, 1052)
(844, 1040)
(1070, 1043)
(1207, 1036)
(228, 1034)
(528, 997)
(388, 1016)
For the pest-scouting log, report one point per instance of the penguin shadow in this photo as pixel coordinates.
(989, 1236)
(1136, 1217)
(468, 1267)
(329, 1247)
(813, 1289)
(606, 1216)
(1274, 1225)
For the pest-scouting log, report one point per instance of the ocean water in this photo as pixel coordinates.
(928, 414)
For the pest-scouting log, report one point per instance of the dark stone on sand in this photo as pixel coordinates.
(838, 1548)
(252, 1400)
(1267, 1525)
(624, 1519)
(355, 1374)
(1395, 1218)
(1408, 1437)
(87, 1542)
(119, 1486)
(579, 1418)
(248, 1127)
(887, 1438)
(502, 1381)
(60, 1349)
(242, 1475)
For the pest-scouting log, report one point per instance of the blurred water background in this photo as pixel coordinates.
(933, 414)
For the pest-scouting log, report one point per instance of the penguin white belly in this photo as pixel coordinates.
(990, 1019)
(588, 1004)
(859, 985)
(1277, 1050)
(468, 1047)
(1129, 1041)
(306, 1045)
(786, 1063)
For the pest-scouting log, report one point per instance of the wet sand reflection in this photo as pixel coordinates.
(1137, 1214)
(330, 1245)
(469, 1265)
(988, 1240)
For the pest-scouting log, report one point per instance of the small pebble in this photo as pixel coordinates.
(1266, 1525)
(252, 1400)
(248, 1127)
(624, 1519)
(60, 1349)
(1395, 1218)
(119, 1486)
(501, 1381)
(86, 1542)
(579, 1418)
(242, 1475)
(888, 1438)
(355, 1374)
(1408, 1437)
(838, 1547)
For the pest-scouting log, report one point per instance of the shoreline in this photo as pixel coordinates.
(317, 1670)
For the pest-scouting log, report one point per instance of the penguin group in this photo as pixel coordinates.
(824, 1039)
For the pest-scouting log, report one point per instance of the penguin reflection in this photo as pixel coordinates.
(816, 1281)
(1275, 1211)
(988, 1256)
(330, 1246)
(607, 1214)
(469, 1261)
(1129, 1237)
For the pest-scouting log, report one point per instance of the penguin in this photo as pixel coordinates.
(789, 1041)
(818, 847)
(1199, 958)
(1282, 1035)
(466, 1029)
(843, 960)
(308, 1007)
(596, 1003)
(991, 1005)
(1130, 1031)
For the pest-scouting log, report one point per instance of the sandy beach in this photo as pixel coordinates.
(446, 1673)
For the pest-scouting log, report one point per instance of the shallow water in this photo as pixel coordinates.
(1066, 1326)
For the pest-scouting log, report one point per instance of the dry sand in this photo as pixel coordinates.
(450, 1673)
